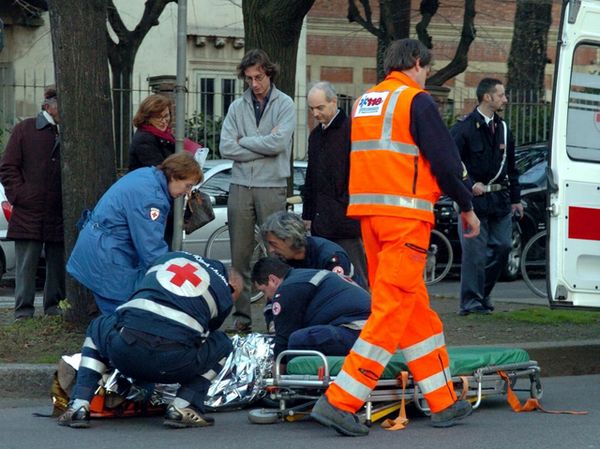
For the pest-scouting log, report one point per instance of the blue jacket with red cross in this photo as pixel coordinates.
(182, 297)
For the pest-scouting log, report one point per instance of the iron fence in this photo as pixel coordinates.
(207, 102)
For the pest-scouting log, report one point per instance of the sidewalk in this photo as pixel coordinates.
(556, 358)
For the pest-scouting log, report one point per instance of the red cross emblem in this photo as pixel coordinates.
(185, 273)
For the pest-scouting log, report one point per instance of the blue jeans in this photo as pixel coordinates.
(328, 339)
(483, 258)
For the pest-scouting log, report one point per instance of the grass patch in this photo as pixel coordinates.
(37, 340)
(544, 315)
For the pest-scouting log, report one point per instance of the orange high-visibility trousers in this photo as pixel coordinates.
(401, 318)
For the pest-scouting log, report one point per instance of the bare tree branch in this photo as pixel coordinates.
(366, 22)
(460, 61)
(427, 9)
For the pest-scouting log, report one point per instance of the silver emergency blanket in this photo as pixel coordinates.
(240, 382)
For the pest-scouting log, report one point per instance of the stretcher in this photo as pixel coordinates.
(477, 372)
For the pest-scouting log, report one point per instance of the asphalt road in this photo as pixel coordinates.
(493, 425)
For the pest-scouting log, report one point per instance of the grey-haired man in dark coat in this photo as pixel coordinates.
(30, 173)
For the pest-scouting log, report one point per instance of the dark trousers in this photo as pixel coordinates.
(246, 208)
(330, 340)
(151, 359)
(27, 256)
(483, 258)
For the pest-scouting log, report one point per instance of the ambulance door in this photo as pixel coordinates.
(573, 264)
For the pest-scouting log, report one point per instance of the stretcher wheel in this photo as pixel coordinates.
(536, 390)
(263, 416)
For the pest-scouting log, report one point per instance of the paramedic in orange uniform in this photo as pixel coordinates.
(402, 158)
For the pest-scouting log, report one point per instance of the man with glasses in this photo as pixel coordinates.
(257, 135)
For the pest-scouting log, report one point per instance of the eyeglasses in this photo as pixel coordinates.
(257, 78)
(165, 117)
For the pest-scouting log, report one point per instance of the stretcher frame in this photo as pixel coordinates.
(387, 395)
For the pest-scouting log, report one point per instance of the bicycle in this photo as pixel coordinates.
(533, 264)
(439, 258)
(217, 247)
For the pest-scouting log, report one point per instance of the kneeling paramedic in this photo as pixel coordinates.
(166, 333)
(311, 309)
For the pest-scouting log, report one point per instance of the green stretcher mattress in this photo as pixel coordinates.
(464, 361)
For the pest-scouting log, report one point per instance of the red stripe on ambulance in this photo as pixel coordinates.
(584, 223)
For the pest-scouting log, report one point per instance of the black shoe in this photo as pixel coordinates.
(75, 418)
(179, 418)
(448, 417)
(479, 310)
(343, 422)
(487, 304)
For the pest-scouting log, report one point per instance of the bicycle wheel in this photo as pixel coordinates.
(218, 247)
(260, 251)
(533, 264)
(439, 258)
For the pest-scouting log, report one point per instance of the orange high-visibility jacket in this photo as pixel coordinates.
(388, 174)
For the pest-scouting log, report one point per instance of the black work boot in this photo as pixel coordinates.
(76, 418)
(179, 418)
(448, 417)
(343, 422)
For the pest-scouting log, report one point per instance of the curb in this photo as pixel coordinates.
(569, 358)
(26, 380)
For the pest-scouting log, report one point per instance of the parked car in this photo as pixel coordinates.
(7, 248)
(217, 178)
(531, 161)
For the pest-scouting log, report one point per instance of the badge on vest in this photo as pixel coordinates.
(371, 104)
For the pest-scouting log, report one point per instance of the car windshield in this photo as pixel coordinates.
(528, 156)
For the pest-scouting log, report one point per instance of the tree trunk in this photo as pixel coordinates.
(88, 166)
(274, 26)
(394, 23)
(528, 58)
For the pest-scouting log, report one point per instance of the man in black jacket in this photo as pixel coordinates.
(326, 186)
(487, 149)
(312, 309)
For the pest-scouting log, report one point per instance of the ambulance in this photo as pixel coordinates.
(573, 242)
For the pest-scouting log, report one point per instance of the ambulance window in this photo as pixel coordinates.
(583, 120)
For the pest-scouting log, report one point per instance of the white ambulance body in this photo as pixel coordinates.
(573, 264)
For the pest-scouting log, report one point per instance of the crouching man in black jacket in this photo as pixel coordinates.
(166, 333)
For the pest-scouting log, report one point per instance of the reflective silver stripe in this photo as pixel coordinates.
(89, 343)
(93, 364)
(318, 278)
(424, 347)
(435, 381)
(385, 144)
(355, 325)
(388, 119)
(371, 352)
(352, 386)
(167, 312)
(391, 200)
(211, 303)
(211, 374)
